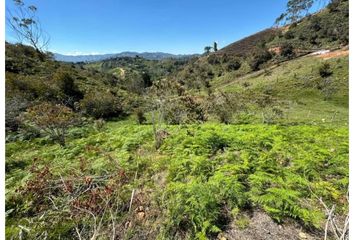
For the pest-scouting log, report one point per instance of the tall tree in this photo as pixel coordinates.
(297, 9)
(215, 46)
(207, 49)
(27, 27)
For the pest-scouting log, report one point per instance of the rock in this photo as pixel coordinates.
(303, 235)
(140, 216)
(221, 237)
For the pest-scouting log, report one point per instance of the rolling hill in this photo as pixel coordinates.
(100, 57)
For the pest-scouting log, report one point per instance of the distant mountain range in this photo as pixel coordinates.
(100, 57)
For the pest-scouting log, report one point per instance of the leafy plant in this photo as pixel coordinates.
(52, 119)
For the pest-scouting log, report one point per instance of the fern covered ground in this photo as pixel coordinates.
(201, 180)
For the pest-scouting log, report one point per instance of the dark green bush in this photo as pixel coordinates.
(233, 65)
(325, 70)
(287, 50)
(101, 105)
(67, 85)
(258, 58)
(216, 143)
(140, 116)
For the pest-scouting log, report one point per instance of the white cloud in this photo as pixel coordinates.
(76, 53)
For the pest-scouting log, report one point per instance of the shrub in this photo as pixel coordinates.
(289, 35)
(216, 143)
(185, 109)
(67, 86)
(213, 59)
(233, 65)
(224, 106)
(99, 124)
(14, 107)
(325, 70)
(327, 87)
(51, 119)
(140, 116)
(272, 115)
(287, 51)
(100, 105)
(258, 58)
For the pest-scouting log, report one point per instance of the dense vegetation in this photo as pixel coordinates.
(130, 148)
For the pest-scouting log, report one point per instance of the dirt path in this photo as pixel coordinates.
(334, 54)
(262, 227)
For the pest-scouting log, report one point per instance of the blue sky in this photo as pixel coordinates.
(173, 26)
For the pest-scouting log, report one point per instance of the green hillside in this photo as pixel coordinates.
(248, 142)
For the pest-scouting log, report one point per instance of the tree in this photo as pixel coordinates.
(296, 9)
(215, 46)
(24, 23)
(207, 49)
(69, 90)
(100, 104)
(52, 119)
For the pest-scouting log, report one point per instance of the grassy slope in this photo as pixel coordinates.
(294, 84)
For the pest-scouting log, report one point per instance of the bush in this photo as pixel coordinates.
(213, 59)
(51, 119)
(100, 105)
(185, 109)
(224, 106)
(99, 124)
(325, 70)
(287, 51)
(258, 58)
(66, 83)
(272, 115)
(140, 116)
(233, 65)
(289, 35)
(14, 107)
(216, 143)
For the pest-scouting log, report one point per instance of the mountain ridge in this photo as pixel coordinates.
(100, 57)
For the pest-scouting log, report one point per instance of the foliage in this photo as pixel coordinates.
(224, 106)
(207, 49)
(328, 28)
(53, 120)
(296, 9)
(325, 70)
(68, 86)
(180, 178)
(184, 109)
(211, 169)
(216, 143)
(259, 57)
(233, 65)
(26, 26)
(100, 105)
(140, 116)
(14, 106)
(287, 51)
